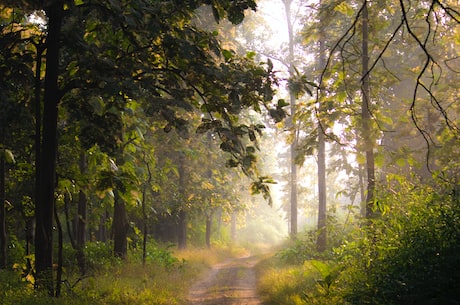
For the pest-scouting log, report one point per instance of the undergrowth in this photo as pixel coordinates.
(163, 279)
(408, 255)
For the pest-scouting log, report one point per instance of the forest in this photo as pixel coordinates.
(308, 151)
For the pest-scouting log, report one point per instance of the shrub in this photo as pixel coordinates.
(409, 254)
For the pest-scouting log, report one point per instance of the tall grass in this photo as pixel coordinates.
(163, 280)
(291, 283)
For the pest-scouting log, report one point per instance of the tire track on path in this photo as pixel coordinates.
(230, 283)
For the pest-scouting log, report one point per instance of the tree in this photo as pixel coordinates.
(366, 114)
(44, 206)
(15, 83)
(292, 102)
(322, 204)
(381, 106)
(181, 68)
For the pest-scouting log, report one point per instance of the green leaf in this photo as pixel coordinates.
(345, 8)
(227, 54)
(401, 162)
(251, 55)
(73, 68)
(322, 268)
(361, 159)
(9, 156)
(379, 160)
(282, 103)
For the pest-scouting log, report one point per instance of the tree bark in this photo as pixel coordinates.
(120, 227)
(233, 227)
(182, 223)
(293, 147)
(208, 230)
(101, 233)
(44, 206)
(182, 230)
(70, 228)
(321, 242)
(322, 208)
(60, 254)
(30, 222)
(366, 114)
(145, 226)
(362, 191)
(2, 207)
(81, 220)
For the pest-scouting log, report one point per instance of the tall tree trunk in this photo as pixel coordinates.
(182, 230)
(366, 114)
(182, 223)
(321, 242)
(82, 219)
(30, 227)
(233, 227)
(120, 227)
(208, 230)
(2, 206)
(45, 202)
(219, 223)
(362, 191)
(101, 234)
(70, 229)
(144, 210)
(293, 147)
(145, 227)
(60, 254)
(30, 222)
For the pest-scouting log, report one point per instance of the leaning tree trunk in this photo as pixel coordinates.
(366, 114)
(44, 206)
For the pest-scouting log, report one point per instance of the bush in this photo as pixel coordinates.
(15, 250)
(406, 256)
(304, 248)
(158, 254)
(409, 254)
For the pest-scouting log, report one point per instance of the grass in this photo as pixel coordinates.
(284, 283)
(163, 280)
(122, 284)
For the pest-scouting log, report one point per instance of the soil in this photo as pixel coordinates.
(230, 283)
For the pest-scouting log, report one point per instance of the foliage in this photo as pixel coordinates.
(290, 283)
(159, 255)
(163, 279)
(304, 248)
(406, 256)
(411, 251)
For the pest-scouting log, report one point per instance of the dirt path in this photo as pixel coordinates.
(230, 283)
